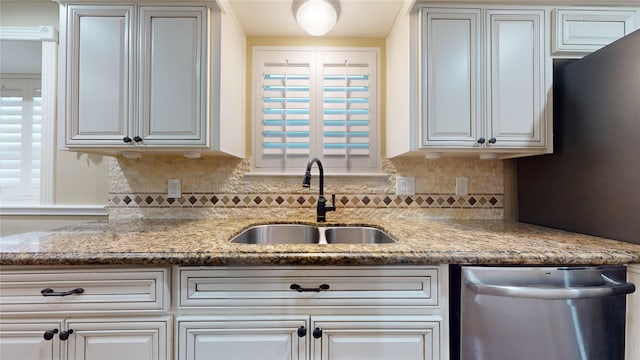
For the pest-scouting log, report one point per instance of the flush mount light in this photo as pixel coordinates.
(316, 17)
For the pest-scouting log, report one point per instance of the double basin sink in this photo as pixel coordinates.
(310, 234)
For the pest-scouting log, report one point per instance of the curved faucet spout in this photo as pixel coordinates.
(322, 202)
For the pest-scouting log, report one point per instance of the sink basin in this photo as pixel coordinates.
(356, 235)
(309, 234)
(279, 234)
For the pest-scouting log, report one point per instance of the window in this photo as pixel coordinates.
(20, 140)
(315, 102)
(28, 69)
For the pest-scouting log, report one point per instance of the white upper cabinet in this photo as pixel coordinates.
(484, 79)
(579, 31)
(138, 77)
(171, 82)
(451, 78)
(99, 74)
(516, 113)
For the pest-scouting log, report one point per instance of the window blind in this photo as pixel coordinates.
(20, 140)
(315, 102)
(346, 112)
(286, 110)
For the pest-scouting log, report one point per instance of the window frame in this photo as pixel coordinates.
(316, 54)
(47, 35)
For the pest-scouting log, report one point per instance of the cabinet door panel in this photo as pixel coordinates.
(229, 339)
(99, 48)
(452, 73)
(24, 340)
(124, 340)
(580, 31)
(377, 338)
(515, 78)
(173, 64)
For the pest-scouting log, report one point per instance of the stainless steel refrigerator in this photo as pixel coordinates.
(591, 183)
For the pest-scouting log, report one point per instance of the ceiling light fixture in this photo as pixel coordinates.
(316, 17)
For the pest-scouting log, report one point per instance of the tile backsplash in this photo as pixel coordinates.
(222, 186)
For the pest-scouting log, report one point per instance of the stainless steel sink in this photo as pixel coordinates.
(356, 235)
(309, 234)
(279, 234)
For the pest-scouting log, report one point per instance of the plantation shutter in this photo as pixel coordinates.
(285, 114)
(348, 109)
(20, 140)
(315, 103)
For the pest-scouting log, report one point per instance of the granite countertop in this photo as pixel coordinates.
(206, 242)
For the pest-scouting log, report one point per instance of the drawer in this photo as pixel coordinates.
(121, 289)
(206, 287)
(587, 30)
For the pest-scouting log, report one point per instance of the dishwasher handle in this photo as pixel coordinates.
(611, 288)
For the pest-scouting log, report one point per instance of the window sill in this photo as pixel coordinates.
(55, 210)
(301, 174)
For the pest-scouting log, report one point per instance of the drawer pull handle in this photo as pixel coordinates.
(299, 288)
(48, 335)
(50, 292)
(317, 333)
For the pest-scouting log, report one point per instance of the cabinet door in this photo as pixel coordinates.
(99, 82)
(173, 73)
(581, 31)
(130, 339)
(376, 338)
(24, 340)
(243, 339)
(516, 79)
(451, 113)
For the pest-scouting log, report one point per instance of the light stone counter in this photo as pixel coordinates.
(206, 242)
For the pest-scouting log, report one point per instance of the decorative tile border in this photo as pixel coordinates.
(204, 200)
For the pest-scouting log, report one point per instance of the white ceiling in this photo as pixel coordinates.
(358, 18)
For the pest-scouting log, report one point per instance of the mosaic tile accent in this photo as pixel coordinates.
(204, 200)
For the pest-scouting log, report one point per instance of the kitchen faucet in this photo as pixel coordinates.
(322, 202)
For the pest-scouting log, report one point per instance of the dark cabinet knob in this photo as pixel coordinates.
(126, 139)
(48, 335)
(65, 334)
(317, 333)
(302, 331)
(492, 140)
(481, 140)
(137, 139)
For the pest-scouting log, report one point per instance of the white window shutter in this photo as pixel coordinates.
(349, 109)
(315, 103)
(284, 109)
(20, 141)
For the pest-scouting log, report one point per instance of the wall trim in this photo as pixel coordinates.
(56, 210)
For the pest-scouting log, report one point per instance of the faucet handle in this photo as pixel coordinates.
(333, 203)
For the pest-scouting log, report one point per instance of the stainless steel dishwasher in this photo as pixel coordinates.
(540, 313)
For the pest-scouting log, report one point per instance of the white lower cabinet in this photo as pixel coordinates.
(85, 314)
(375, 337)
(100, 339)
(310, 337)
(25, 339)
(232, 338)
(314, 313)
(91, 339)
